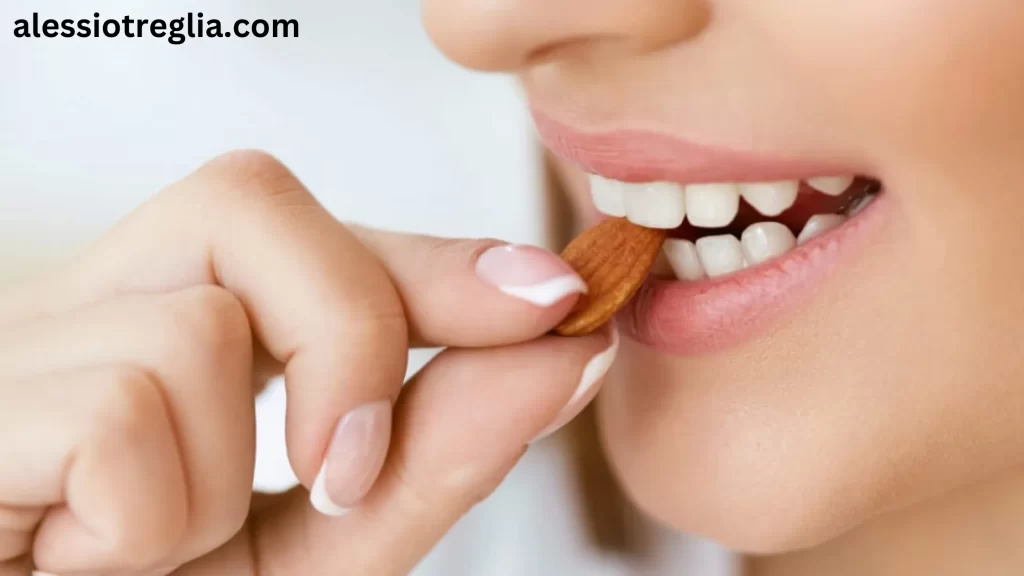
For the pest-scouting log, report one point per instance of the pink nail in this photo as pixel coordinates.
(588, 387)
(529, 273)
(354, 459)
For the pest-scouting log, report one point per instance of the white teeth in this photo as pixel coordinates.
(682, 256)
(831, 185)
(771, 198)
(712, 205)
(818, 225)
(860, 204)
(655, 205)
(609, 195)
(720, 255)
(766, 240)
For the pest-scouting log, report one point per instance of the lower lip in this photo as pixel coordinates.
(688, 318)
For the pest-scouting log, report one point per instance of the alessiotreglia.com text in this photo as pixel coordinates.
(176, 31)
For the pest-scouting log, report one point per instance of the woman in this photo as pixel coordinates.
(832, 386)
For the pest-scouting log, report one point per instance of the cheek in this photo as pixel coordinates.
(876, 396)
(899, 79)
(576, 186)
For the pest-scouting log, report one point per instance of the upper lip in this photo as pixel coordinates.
(643, 156)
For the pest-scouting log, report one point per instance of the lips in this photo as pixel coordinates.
(750, 236)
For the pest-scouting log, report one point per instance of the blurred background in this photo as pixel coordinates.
(361, 107)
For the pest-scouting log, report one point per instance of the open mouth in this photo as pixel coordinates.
(721, 228)
(751, 236)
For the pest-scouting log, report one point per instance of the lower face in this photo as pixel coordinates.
(834, 328)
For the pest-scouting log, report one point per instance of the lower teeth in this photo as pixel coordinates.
(723, 254)
(859, 204)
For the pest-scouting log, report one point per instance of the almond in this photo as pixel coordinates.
(613, 258)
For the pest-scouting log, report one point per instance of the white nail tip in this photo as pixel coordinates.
(320, 500)
(594, 371)
(549, 292)
(831, 185)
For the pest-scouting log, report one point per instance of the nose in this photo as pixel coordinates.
(510, 35)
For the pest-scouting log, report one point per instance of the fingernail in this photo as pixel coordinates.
(587, 389)
(354, 459)
(529, 273)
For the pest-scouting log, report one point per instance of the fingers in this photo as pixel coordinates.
(101, 442)
(460, 426)
(187, 352)
(475, 293)
(338, 314)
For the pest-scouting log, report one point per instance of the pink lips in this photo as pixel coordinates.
(706, 316)
(636, 156)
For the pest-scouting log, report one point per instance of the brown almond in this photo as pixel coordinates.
(613, 258)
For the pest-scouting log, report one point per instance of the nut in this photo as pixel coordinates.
(613, 258)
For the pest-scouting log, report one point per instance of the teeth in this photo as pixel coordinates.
(771, 198)
(712, 205)
(662, 267)
(766, 240)
(818, 225)
(655, 205)
(682, 256)
(860, 204)
(609, 195)
(720, 255)
(831, 185)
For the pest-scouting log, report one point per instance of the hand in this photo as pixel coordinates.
(127, 381)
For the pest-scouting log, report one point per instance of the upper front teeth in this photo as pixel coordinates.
(831, 185)
(655, 205)
(771, 198)
(712, 205)
(666, 205)
(609, 196)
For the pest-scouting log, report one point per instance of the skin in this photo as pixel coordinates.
(127, 380)
(880, 421)
(890, 402)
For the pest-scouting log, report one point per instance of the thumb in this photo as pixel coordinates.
(460, 427)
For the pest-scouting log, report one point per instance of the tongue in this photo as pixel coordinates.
(808, 203)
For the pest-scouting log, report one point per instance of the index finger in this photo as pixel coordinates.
(320, 302)
(475, 293)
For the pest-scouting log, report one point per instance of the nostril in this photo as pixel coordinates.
(566, 49)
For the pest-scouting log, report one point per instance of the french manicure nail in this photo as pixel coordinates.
(529, 273)
(354, 459)
(587, 388)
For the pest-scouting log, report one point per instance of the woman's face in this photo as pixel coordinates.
(785, 394)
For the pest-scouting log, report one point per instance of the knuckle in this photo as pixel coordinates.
(133, 412)
(447, 249)
(250, 174)
(130, 400)
(212, 326)
(415, 496)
